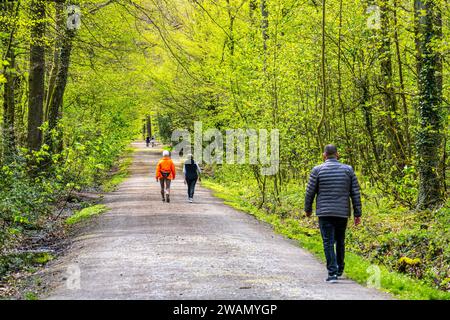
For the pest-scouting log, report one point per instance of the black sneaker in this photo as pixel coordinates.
(331, 279)
(168, 198)
(339, 274)
(163, 200)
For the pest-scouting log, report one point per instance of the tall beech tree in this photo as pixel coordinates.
(36, 79)
(9, 14)
(60, 69)
(429, 101)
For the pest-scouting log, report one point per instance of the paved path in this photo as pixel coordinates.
(146, 249)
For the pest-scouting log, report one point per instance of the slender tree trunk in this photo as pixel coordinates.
(429, 71)
(264, 27)
(364, 98)
(230, 40)
(341, 103)
(394, 133)
(9, 105)
(59, 26)
(323, 78)
(36, 75)
(149, 126)
(57, 94)
(264, 22)
(252, 8)
(10, 74)
(402, 84)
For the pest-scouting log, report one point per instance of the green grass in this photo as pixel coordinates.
(86, 213)
(122, 172)
(42, 258)
(401, 286)
(31, 296)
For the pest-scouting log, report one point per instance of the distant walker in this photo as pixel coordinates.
(191, 171)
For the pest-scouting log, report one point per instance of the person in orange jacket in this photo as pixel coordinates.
(165, 173)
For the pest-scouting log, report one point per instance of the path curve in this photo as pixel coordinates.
(145, 249)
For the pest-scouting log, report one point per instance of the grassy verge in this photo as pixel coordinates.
(401, 286)
(86, 213)
(121, 172)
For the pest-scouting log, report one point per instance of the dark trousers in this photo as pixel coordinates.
(333, 233)
(191, 187)
(165, 185)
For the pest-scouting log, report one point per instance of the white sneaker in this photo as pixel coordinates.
(190, 200)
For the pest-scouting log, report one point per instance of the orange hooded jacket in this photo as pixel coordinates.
(165, 165)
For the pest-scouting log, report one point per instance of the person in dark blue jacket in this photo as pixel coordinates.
(334, 184)
(192, 173)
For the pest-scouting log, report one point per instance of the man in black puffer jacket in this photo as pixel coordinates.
(334, 184)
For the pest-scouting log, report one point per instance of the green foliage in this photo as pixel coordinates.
(86, 213)
(414, 243)
(165, 127)
(187, 61)
(42, 258)
(122, 172)
(22, 198)
(21, 260)
(31, 296)
(26, 200)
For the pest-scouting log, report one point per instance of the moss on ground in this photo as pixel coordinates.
(86, 213)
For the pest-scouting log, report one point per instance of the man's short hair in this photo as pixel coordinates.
(330, 150)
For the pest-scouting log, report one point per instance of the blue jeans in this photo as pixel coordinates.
(333, 233)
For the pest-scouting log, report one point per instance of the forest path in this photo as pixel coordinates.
(145, 249)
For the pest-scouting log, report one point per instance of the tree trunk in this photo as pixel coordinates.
(230, 40)
(10, 74)
(429, 71)
(57, 94)
(394, 132)
(59, 25)
(264, 23)
(36, 75)
(264, 27)
(323, 79)
(9, 105)
(363, 85)
(402, 84)
(149, 126)
(348, 146)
